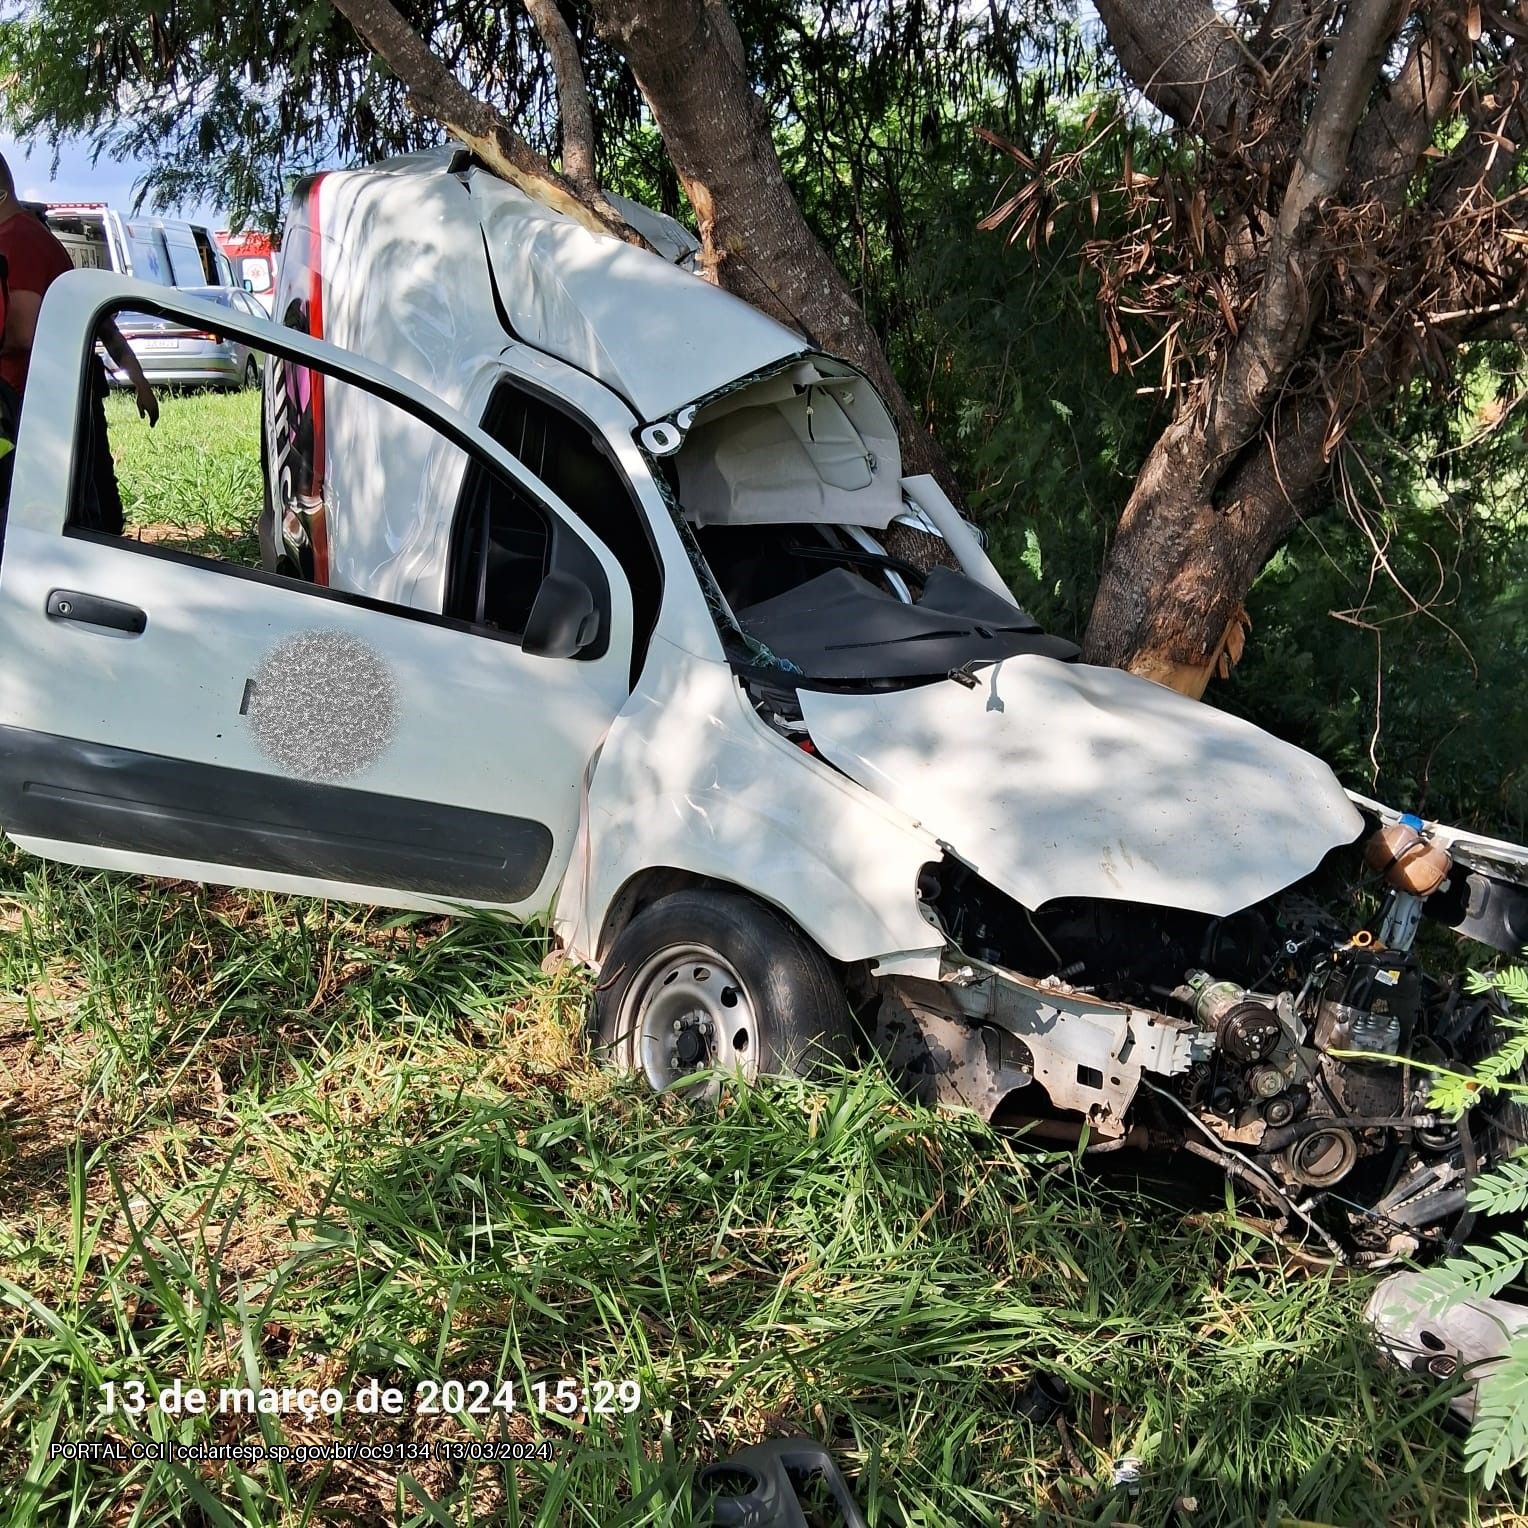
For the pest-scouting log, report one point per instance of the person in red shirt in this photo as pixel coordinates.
(34, 260)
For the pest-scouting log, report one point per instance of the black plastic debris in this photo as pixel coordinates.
(1046, 1396)
(784, 1483)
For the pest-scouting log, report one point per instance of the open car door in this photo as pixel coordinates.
(166, 710)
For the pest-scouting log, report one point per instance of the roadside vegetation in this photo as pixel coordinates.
(251, 1140)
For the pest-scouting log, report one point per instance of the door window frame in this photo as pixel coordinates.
(507, 376)
(86, 297)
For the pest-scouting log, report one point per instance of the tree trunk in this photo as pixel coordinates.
(1229, 478)
(436, 92)
(575, 116)
(1170, 603)
(687, 59)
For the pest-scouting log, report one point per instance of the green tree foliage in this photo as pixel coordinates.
(1392, 630)
(225, 104)
(1499, 1436)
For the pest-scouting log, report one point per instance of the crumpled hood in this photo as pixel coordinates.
(1057, 779)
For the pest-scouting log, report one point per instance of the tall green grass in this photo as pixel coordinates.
(249, 1139)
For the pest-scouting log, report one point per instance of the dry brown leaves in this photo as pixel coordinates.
(1177, 252)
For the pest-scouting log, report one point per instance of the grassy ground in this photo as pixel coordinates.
(194, 480)
(259, 1140)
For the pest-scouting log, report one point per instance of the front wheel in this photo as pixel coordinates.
(714, 981)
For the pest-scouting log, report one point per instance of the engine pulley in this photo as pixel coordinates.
(1248, 1032)
(1322, 1158)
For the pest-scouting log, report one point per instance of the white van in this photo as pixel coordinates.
(161, 250)
(576, 605)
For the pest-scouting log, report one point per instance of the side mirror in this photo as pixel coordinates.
(563, 619)
(247, 284)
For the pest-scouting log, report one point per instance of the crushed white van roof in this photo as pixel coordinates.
(645, 327)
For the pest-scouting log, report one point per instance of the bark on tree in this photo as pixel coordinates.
(1231, 475)
(437, 93)
(688, 61)
(574, 113)
(1185, 58)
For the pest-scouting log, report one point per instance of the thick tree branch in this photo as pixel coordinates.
(1497, 321)
(1187, 60)
(1281, 319)
(575, 114)
(437, 93)
(1346, 86)
(1392, 138)
(688, 60)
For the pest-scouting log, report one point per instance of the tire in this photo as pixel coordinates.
(714, 981)
(251, 373)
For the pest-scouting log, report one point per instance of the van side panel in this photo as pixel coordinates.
(147, 252)
(403, 279)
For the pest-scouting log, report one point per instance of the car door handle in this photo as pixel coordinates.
(92, 610)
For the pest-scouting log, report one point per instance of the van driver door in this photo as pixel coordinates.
(167, 707)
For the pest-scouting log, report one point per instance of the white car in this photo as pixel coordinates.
(577, 605)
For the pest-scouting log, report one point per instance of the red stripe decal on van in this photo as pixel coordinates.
(318, 533)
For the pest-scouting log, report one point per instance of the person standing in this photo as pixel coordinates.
(34, 260)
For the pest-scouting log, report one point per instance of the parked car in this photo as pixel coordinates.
(176, 354)
(577, 604)
(163, 250)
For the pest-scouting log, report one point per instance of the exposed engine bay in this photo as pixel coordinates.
(1287, 1039)
(1283, 1043)
(1161, 931)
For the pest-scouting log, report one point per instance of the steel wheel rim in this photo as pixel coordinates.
(687, 1011)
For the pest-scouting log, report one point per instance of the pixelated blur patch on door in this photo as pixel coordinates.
(323, 705)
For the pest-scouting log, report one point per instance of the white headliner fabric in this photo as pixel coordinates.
(824, 454)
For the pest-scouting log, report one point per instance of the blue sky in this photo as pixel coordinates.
(77, 180)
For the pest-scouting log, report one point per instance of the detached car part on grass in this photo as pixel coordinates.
(775, 1484)
(583, 600)
(1464, 1339)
